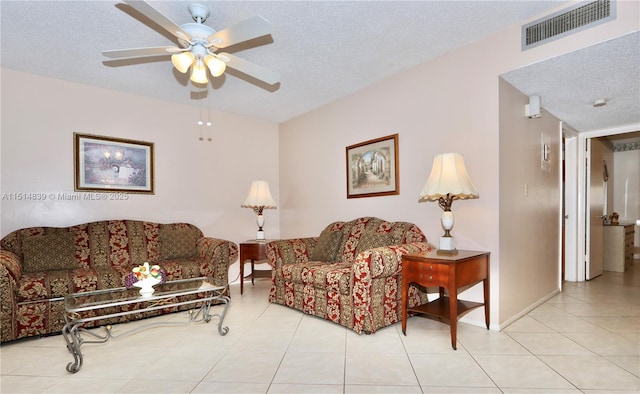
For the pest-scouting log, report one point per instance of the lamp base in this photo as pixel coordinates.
(447, 243)
(260, 235)
(441, 252)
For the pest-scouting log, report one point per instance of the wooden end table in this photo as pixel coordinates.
(254, 251)
(448, 271)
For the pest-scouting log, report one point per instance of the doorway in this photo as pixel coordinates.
(576, 267)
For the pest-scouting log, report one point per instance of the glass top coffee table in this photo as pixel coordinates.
(81, 308)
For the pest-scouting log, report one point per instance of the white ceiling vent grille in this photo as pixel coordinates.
(576, 18)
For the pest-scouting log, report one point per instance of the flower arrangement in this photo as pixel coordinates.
(145, 274)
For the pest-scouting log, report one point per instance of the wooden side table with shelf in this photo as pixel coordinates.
(255, 251)
(447, 271)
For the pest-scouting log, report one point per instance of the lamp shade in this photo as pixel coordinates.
(448, 177)
(182, 61)
(216, 66)
(199, 72)
(259, 196)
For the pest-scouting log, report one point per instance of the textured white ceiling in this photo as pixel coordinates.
(569, 85)
(323, 50)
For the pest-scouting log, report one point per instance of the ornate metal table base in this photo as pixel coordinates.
(73, 328)
(71, 333)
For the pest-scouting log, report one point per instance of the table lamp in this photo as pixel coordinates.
(258, 199)
(448, 181)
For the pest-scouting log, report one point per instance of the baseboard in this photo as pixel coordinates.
(525, 311)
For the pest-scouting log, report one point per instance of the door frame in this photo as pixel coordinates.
(582, 247)
(571, 204)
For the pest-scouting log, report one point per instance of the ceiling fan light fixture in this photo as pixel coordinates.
(199, 72)
(198, 44)
(216, 66)
(182, 61)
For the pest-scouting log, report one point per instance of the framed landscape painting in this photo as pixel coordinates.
(106, 164)
(372, 168)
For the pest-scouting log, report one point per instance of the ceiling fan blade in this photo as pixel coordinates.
(147, 10)
(246, 30)
(141, 52)
(251, 69)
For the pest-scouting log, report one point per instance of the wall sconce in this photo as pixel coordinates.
(532, 110)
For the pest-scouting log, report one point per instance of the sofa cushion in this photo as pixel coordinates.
(335, 276)
(373, 239)
(54, 284)
(176, 244)
(182, 269)
(328, 247)
(50, 252)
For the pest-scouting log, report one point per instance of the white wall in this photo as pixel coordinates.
(200, 182)
(448, 104)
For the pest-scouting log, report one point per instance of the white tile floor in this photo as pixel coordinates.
(584, 340)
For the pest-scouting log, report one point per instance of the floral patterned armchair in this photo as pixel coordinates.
(350, 274)
(40, 265)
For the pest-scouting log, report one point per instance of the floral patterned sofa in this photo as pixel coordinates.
(39, 265)
(350, 274)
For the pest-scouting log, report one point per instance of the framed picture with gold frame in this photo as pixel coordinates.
(105, 164)
(372, 168)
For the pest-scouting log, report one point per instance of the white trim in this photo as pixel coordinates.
(560, 197)
(570, 201)
(586, 222)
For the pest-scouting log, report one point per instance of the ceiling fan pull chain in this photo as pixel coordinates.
(209, 114)
(200, 122)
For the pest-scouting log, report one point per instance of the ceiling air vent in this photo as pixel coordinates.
(571, 20)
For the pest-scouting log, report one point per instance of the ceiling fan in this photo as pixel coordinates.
(199, 44)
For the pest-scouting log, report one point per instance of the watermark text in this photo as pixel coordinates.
(62, 196)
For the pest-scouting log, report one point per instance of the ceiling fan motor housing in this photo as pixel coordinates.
(199, 12)
(199, 34)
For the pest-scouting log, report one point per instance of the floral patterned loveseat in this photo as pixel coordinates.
(350, 274)
(39, 265)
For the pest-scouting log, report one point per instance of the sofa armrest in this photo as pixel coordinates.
(10, 272)
(216, 255)
(288, 251)
(10, 265)
(375, 271)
